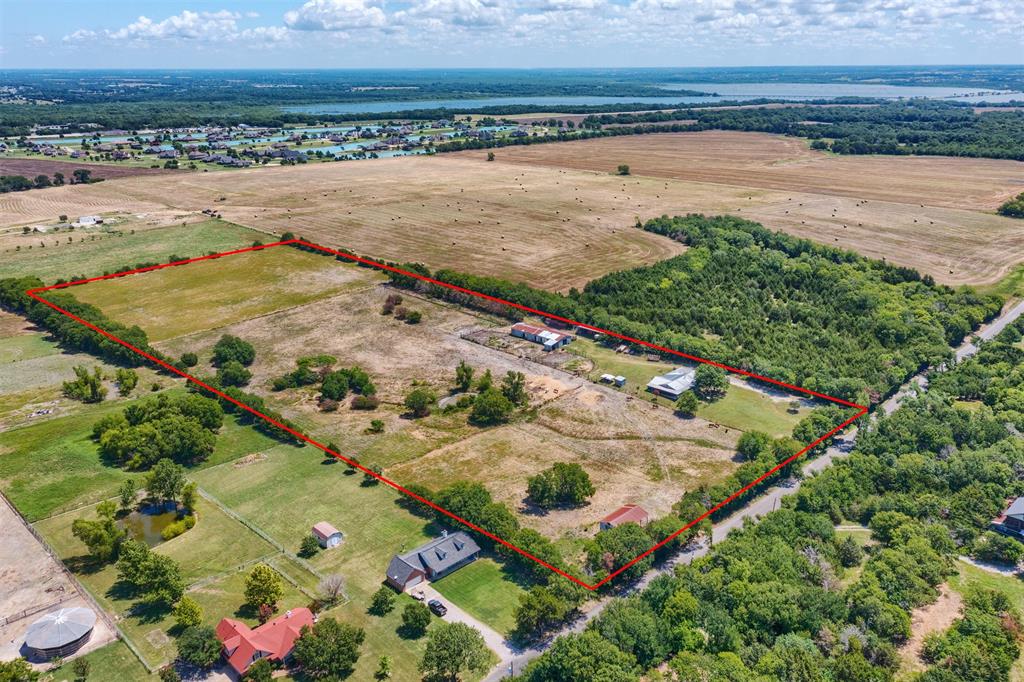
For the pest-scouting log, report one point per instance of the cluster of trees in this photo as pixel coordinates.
(393, 306)
(1013, 208)
(87, 386)
(561, 485)
(492, 404)
(335, 384)
(179, 428)
(709, 384)
(19, 183)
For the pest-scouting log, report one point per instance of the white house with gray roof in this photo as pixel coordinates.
(431, 561)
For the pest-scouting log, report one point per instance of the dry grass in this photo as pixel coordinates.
(932, 213)
(633, 452)
(446, 212)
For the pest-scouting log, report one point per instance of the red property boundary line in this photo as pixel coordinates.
(861, 409)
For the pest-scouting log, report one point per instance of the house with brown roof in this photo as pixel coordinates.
(627, 513)
(275, 639)
(327, 535)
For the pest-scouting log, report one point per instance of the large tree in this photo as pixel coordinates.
(263, 587)
(329, 648)
(452, 649)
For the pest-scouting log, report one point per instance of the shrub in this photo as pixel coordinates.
(173, 530)
(382, 602)
(189, 359)
(365, 402)
(309, 546)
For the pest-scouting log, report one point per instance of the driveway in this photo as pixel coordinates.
(495, 640)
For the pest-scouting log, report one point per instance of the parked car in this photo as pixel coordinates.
(418, 595)
(437, 607)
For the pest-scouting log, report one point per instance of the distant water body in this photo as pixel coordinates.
(724, 92)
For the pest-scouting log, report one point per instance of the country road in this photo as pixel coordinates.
(757, 508)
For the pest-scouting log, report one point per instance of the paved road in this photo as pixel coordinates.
(762, 505)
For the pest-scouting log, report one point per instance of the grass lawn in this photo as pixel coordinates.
(111, 662)
(109, 251)
(189, 298)
(217, 544)
(971, 576)
(749, 410)
(25, 347)
(742, 408)
(484, 591)
(53, 466)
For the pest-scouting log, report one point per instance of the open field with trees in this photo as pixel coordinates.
(635, 451)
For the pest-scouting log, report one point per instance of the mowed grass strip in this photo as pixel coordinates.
(208, 294)
(108, 251)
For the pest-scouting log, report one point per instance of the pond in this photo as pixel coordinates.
(147, 524)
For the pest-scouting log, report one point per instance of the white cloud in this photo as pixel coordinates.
(716, 26)
(189, 26)
(37, 40)
(336, 15)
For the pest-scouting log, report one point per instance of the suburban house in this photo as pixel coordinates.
(275, 639)
(627, 513)
(550, 339)
(327, 535)
(431, 561)
(1011, 521)
(673, 384)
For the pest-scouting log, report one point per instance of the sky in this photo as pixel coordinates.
(506, 33)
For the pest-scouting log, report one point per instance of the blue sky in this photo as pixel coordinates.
(497, 33)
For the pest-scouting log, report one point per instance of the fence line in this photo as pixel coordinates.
(79, 587)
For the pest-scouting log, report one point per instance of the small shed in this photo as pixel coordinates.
(327, 535)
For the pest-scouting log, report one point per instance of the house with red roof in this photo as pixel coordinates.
(275, 639)
(627, 513)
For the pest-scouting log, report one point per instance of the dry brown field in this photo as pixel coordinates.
(30, 168)
(787, 163)
(554, 216)
(455, 213)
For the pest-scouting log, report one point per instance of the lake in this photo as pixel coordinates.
(724, 92)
